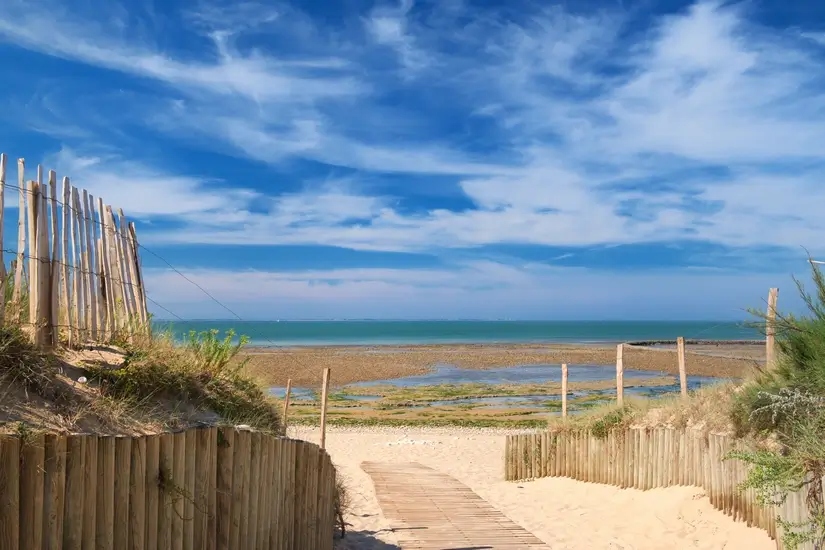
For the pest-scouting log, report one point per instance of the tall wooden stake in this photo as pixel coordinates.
(286, 403)
(564, 389)
(770, 329)
(680, 350)
(620, 374)
(21, 240)
(324, 391)
(3, 276)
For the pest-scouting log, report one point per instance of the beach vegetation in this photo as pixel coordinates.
(784, 407)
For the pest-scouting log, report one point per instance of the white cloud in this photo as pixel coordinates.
(388, 26)
(141, 191)
(578, 102)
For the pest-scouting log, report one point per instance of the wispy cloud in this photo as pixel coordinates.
(553, 126)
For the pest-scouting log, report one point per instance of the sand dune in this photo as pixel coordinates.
(565, 514)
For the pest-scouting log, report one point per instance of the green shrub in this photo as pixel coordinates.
(786, 402)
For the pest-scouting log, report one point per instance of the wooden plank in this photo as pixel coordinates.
(31, 221)
(44, 303)
(284, 423)
(105, 514)
(21, 238)
(9, 492)
(620, 374)
(262, 539)
(104, 260)
(74, 305)
(564, 375)
(32, 467)
(55, 491)
(64, 262)
(90, 477)
(129, 270)
(137, 495)
(75, 493)
(3, 274)
(254, 489)
(179, 483)
(152, 491)
(226, 450)
(91, 282)
(201, 488)
(139, 272)
(680, 351)
(54, 275)
(212, 501)
(770, 328)
(190, 472)
(240, 462)
(165, 465)
(123, 484)
(324, 391)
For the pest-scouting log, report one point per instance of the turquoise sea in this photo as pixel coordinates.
(318, 333)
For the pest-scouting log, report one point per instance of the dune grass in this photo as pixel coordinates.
(197, 372)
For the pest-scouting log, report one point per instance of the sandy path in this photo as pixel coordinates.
(565, 514)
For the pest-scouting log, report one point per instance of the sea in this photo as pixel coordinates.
(371, 332)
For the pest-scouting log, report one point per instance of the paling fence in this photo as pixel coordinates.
(646, 458)
(76, 272)
(204, 488)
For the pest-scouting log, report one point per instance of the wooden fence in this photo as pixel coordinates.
(84, 279)
(205, 488)
(645, 459)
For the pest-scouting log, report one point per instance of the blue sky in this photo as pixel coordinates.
(590, 160)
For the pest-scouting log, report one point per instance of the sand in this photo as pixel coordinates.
(564, 513)
(272, 367)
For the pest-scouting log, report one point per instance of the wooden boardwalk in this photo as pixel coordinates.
(429, 510)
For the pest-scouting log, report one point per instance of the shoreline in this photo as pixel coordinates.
(362, 363)
(261, 348)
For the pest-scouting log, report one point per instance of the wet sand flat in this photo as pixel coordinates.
(273, 366)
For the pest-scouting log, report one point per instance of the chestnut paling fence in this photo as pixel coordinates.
(203, 488)
(646, 458)
(76, 274)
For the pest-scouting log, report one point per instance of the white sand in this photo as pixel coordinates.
(564, 513)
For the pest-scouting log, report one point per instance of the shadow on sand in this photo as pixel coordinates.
(363, 539)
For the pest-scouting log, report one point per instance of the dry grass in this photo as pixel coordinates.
(149, 386)
(707, 410)
(197, 375)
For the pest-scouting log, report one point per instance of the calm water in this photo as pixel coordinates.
(317, 333)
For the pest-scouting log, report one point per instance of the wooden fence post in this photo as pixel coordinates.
(9, 492)
(324, 391)
(3, 275)
(770, 329)
(564, 389)
(286, 405)
(21, 240)
(620, 374)
(680, 351)
(54, 275)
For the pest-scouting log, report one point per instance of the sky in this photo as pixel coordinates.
(625, 159)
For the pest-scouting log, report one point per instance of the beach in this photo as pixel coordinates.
(304, 365)
(564, 513)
